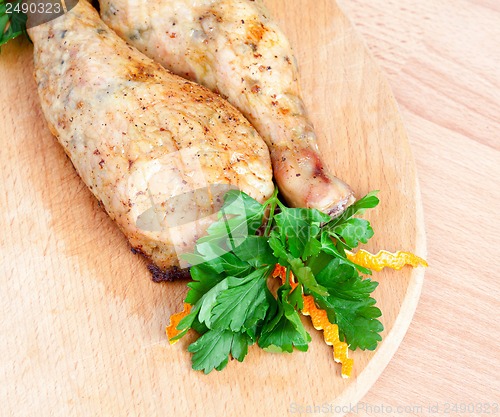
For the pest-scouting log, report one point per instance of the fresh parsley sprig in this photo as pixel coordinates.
(12, 21)
(233, 306)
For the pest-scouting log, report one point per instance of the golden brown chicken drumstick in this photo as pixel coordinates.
(232, 47)
(140, 137)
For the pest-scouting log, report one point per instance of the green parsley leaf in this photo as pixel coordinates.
(232, 265)
(313, 248)
(243, 207)
(211, 350)
(239, 218)
(298, 226)
(369, 201)
(202, 308)
(349, 305)
(306, 277)
(204, 280)
(256, 251)
(348, 231)
(329, 248)
(208, 302)
(278, 248)
(302, 272)
(12, 24)
(295, 298)
(353, 232)
(284, 330)
(242, 304)
(239, 347)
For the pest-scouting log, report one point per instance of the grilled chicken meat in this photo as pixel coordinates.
(233, 48)
(157, 150)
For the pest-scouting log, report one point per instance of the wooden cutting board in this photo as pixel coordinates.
(82, 325)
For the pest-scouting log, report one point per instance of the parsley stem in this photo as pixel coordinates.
(272, 202)
(270, 220)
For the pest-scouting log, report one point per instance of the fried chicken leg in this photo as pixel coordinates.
(157, 150)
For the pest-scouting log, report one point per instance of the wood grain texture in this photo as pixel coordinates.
(443, 63)
(84, 324)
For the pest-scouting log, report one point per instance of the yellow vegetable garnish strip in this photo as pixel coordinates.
(385, 259)
(320, 321)
(174, 322)
(280, 271)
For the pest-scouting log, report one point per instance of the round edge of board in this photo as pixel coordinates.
(384, 353)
